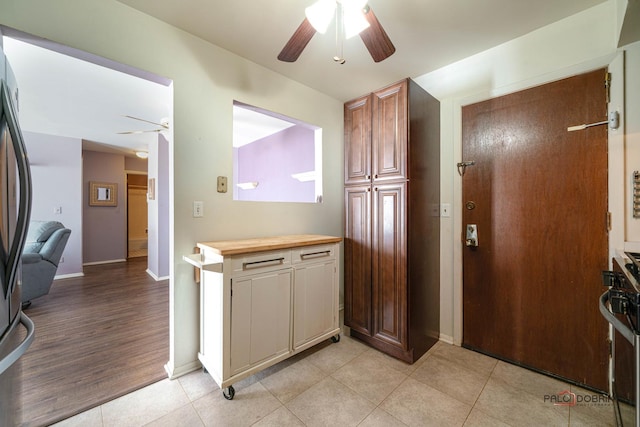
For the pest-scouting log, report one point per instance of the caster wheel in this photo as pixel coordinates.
(335, 338)
(229, 392)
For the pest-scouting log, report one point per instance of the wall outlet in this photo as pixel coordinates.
(198, 209)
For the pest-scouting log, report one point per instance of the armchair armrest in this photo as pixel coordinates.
(31, 258)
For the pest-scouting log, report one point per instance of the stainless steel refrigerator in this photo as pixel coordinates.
(16, 329)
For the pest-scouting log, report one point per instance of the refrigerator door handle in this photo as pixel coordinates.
(22, 347)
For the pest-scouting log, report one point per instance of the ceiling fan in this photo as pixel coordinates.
(355, 16)
(163, 125)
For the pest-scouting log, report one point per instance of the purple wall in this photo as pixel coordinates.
(135, 164)
(271, 161)
(104, 227)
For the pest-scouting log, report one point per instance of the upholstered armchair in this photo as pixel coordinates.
(43, 249)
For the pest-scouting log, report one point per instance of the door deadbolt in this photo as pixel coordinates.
(470, 205)
(472, 235)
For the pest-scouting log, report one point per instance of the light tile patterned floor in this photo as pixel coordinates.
(350, 384)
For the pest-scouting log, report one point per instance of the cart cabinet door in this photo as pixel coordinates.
(314, 301)
(260, 318)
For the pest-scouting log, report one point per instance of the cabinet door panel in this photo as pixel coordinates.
(260, 318)
(389, 133)
(357, 266)
(240, 326)
(357, 141)
(314, 307)
(389, 264)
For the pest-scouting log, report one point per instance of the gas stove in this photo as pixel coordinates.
(634, 266)
(624, 292)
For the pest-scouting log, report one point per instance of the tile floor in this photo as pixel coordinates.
(350, 384)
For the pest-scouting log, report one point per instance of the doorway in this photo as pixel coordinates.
(137, 222)
(131, 272)
(537, 195)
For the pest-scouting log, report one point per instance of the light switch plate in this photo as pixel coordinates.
(198, 209)
(222, 184)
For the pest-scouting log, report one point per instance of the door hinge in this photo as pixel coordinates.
(607, 86)
(608, 221)
(610, 345)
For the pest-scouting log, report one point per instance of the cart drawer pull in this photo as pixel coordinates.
(315, 254)
(257, 264)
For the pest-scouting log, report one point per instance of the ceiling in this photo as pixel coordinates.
(427, 34)
(63, 95)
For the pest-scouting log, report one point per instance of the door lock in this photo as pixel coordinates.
(472, 235)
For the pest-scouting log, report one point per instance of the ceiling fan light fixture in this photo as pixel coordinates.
(320, 14)
(361, 20)
(354, 21)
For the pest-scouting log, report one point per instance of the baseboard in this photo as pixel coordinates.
(183, 370)
(156, 278)
(105, 262)
(446, 338)
(68, 276)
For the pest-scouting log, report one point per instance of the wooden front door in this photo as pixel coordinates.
(538, 196)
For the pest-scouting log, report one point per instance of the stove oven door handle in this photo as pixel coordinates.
(624, 330)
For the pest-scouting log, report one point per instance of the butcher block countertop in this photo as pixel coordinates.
(247, 246)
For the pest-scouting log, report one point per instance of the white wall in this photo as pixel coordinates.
(580, 43)
(56, 171)
(632, 139)
(206, 80)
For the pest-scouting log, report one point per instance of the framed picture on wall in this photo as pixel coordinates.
(103, 194)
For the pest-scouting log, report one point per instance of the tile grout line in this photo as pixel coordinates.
(481, 391)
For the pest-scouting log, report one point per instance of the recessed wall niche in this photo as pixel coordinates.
(275, 158)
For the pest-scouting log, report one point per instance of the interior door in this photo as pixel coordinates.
(538, 197)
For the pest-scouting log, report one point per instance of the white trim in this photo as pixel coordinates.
(68, 276)
(184, 369)
(156, 278)
(447, 339)
(111, 261)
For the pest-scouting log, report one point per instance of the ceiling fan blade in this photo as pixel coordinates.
(376, 39)
(136, 132)
(164, 125)
(298, 41)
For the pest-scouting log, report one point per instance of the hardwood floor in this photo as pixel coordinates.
(97, 337)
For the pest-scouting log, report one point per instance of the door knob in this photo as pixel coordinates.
(472, 235)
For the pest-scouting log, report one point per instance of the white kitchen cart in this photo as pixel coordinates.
(264, 300)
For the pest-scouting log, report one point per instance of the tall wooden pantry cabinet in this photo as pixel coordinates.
(392, 219)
